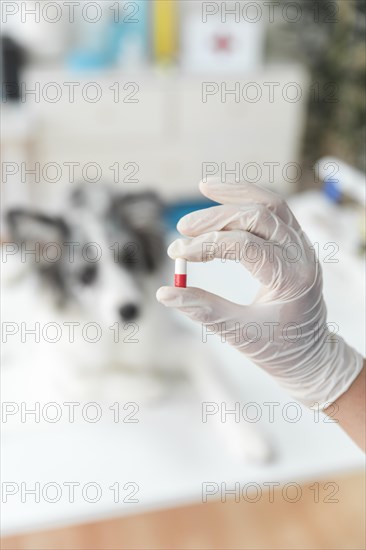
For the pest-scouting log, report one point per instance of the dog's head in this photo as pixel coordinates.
(99, 254)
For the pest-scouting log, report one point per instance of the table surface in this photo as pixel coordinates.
(314, 522)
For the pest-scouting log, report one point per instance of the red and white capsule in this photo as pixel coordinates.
(180, 276)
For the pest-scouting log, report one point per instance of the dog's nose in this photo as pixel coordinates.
(129, 312)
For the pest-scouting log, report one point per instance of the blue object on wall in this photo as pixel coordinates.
(124, 27)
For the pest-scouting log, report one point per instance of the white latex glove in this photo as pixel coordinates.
(293, 342)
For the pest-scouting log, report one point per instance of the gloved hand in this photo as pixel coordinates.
(284, 331)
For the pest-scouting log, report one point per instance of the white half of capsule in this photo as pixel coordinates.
(180, 266)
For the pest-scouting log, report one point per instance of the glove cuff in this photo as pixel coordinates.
(336, 368)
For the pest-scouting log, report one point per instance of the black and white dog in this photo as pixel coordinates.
(81, 318)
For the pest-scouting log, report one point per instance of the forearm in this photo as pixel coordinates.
(349, 410)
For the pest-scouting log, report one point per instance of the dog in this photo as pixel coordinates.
(83, 322)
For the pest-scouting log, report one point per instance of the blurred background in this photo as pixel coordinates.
(157, 95)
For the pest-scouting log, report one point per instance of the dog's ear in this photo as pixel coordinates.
(140, 210)
(95, 198)
(143, 212)
(38, 230)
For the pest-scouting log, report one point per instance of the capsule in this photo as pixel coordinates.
(180, 276)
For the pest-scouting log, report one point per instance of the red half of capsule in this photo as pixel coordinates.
(180, 281)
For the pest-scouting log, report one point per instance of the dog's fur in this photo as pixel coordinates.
(117, 292)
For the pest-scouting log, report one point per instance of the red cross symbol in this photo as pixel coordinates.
(223, 43)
